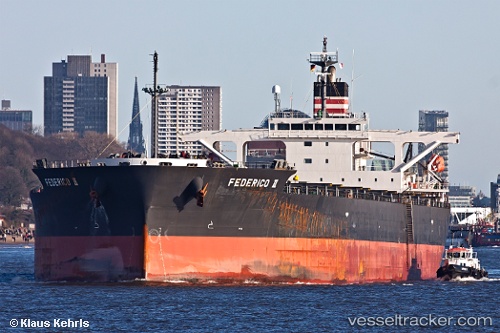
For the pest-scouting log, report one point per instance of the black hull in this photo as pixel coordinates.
(125, 201)
(127, 198)
(451, 272)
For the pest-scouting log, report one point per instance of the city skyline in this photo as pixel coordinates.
(401, 57)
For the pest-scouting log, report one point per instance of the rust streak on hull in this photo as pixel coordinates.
(284, 260)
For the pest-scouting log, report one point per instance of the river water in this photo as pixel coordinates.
(137, 306)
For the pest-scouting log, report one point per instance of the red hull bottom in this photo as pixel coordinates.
(231, 260)
(288, 260)
(97, 258)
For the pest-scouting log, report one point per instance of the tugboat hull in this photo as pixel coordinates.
(452, 272)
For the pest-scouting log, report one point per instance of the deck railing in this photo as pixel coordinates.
(430, 199)
(427, 199)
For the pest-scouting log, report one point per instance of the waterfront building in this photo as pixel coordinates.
(187, 109)
(81, 96)
(461, 195)
(17, 120)
(495, 195)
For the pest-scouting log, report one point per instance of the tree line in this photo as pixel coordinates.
(18, 151)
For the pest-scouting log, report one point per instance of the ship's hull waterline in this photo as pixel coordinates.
(149, 222)
(285, 260)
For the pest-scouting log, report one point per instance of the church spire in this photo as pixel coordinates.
(135, 138)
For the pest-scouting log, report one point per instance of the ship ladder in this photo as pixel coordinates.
(409, 231)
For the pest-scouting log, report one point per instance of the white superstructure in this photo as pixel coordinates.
(339, 151)
(460, 256)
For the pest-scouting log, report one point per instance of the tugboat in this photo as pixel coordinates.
(460, 262)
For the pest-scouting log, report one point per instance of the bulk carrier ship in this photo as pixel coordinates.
(332, 210)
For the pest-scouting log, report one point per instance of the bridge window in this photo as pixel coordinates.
(341, 127)
(318, 127)
(328, 127)
(354, 127)
(308, 127)
(297, 127)
(283, 127)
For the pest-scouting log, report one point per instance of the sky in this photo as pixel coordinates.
(404, 56)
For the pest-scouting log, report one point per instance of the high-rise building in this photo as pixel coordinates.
(17, 120)
(495, 195)
(435, 121)
(186, 109)
(135, 137)
(81, 96)
(461, 195)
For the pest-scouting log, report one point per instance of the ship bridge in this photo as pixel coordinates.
(341, 151)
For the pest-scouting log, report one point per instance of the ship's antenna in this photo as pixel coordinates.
(324, 60)
(352, 83)
(154, 92)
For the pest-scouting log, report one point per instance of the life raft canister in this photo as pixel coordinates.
(436, 163)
